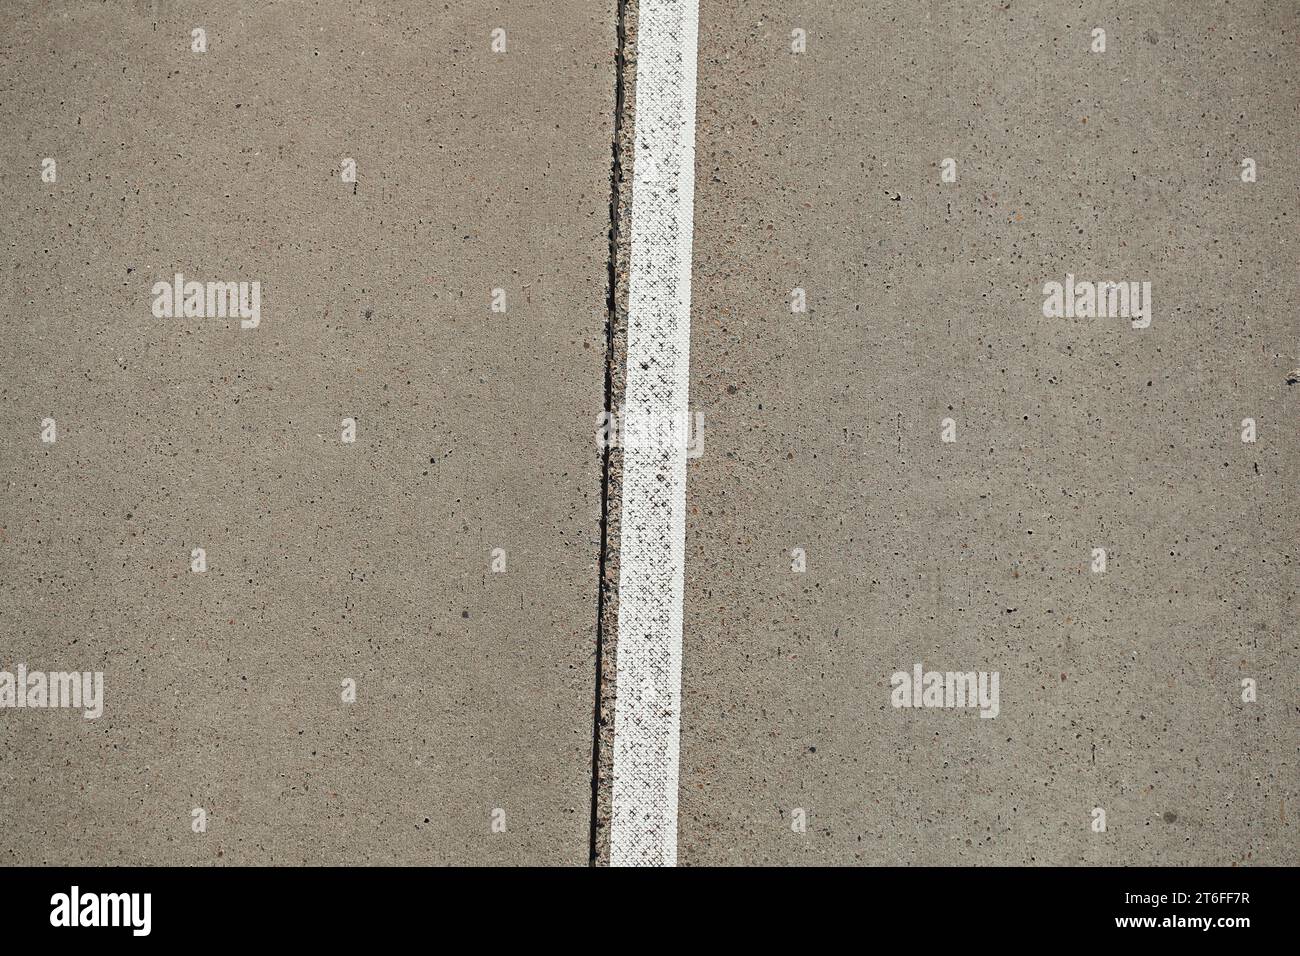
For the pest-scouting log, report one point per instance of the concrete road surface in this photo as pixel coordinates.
(473, 415)
(1120, 690)
(981, 549)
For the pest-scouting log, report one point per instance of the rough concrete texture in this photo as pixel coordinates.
(1119, 690)
(326, 561)
(371, 561)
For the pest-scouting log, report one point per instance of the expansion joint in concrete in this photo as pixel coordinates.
(611, 321)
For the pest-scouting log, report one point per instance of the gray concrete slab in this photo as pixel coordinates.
(326, 561)
(1119, 690)
(371, 561)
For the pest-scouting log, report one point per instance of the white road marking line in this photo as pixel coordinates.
(652, 554)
